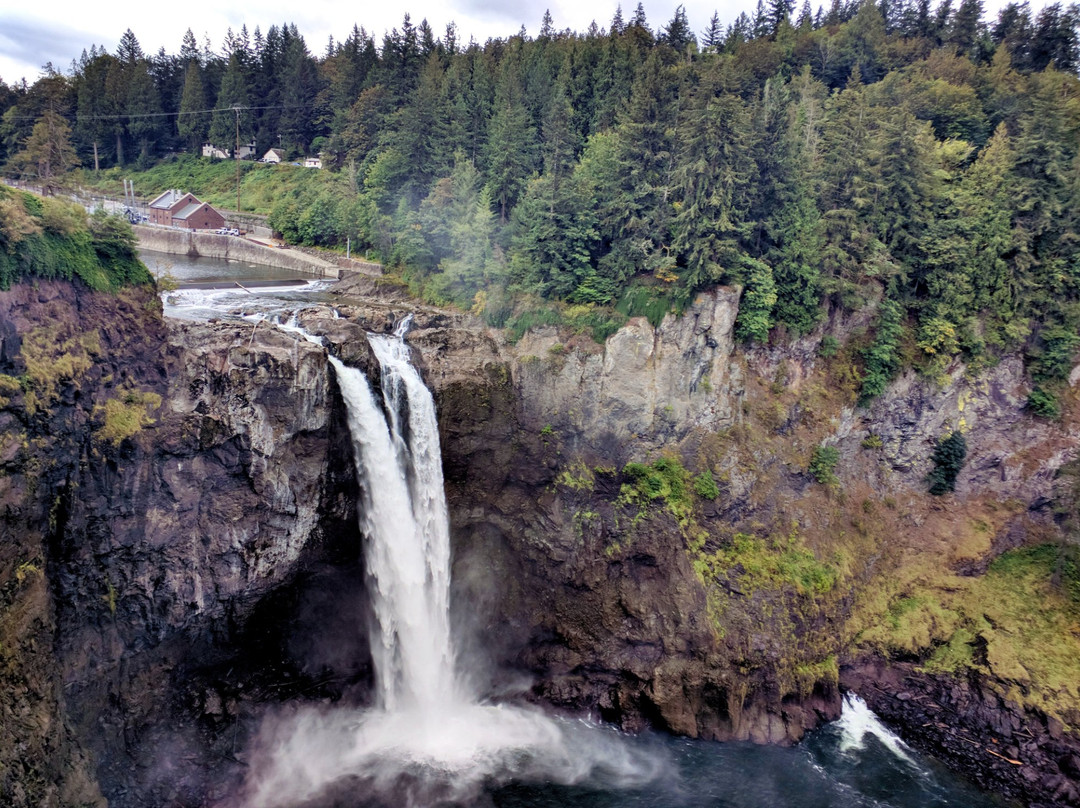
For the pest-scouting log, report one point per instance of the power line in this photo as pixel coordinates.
(134, 115)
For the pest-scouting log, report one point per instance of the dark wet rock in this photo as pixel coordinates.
(1018, 753)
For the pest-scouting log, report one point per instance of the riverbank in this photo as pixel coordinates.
(233, 248)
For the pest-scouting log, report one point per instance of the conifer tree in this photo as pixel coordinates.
(48, 152)
(191, 123)
(714, 167)
(233, 99)
(713, 36)
(511, 146)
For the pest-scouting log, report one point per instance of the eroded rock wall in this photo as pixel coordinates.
(627, 611)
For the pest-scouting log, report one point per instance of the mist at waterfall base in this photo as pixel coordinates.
(853, 763)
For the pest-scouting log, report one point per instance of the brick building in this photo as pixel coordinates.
(198, 216)
(176, 209)
(165, 206)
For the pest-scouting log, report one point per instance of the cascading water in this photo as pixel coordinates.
(429, 741)
(403, 514)
(857, 722)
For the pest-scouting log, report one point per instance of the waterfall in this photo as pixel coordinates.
(428, 741)
(403, 515)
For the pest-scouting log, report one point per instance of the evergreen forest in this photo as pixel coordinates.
(917, 166)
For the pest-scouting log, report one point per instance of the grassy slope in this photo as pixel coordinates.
(213, 181)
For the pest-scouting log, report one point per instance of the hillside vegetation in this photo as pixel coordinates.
(921, 163)
(53, 238)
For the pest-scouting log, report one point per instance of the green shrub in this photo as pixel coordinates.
(46, 239)
(948, 459)
(1044, 403)
(823, 464)
(1054, 360)
(529, 319)
(646, 301)
(664, 479)
(829, 347)
(705, 486)
(754, 320)
(883, 356)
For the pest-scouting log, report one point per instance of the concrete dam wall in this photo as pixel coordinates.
(233, 248)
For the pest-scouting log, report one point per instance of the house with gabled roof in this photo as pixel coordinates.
(174, 208)
(167, 204)
(210, 150)
(273, 156)
(198, 216)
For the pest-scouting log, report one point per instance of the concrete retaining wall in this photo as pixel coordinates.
(229, 248)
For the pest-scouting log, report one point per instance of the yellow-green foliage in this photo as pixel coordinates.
(49, 363)
(665, 479)
(62, 216)
(110, 597)
(125, 417)
(16, 224)
(28, 569)
(1015, 623)
(808, 674)
(578, 477)
(774, 563)
(9, 385)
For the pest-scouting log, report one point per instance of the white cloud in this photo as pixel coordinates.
(58, 31)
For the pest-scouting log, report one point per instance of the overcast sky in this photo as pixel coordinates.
(57, 31)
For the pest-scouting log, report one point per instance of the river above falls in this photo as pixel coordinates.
(210, 288)
(185, 270)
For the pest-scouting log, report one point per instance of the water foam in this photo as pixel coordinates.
(857, 721)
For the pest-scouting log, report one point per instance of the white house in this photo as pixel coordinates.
(312, 162)
(210, 150)
(246, 152)
(273, 156)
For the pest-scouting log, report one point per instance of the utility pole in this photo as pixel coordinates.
(236, 155)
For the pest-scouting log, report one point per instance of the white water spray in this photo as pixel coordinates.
(857, 721)
(429, 741)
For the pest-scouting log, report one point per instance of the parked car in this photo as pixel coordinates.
(233, 231)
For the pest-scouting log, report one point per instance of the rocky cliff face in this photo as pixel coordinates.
(730, 615)
(179, 533)
(644, 387)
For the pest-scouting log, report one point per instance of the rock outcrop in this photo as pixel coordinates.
(165, 483)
